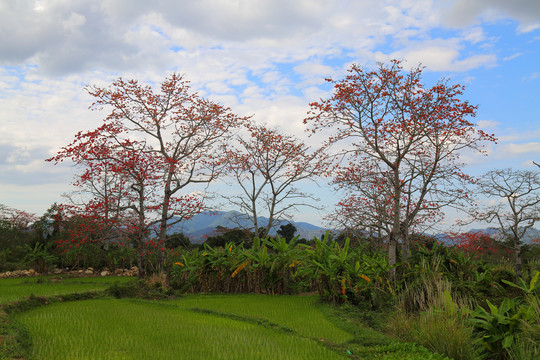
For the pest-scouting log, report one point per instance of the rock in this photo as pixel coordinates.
(104, 273)
(57, 271)
(89, 271)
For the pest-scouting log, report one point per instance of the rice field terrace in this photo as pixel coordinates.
(244, 326)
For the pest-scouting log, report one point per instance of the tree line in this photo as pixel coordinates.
(393, 150)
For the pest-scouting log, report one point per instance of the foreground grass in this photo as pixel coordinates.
(88, 325)
(15, 289)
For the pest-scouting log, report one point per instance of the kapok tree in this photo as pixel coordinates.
(516, 205)
(15, 219)
(366, 209)
(396, 128)
(155, 144)
(476, 243)
(268, 165)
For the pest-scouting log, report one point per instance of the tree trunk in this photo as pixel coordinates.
(140, 264)
(405, 246)
(392, 256)
(405, 249)
(517, 254)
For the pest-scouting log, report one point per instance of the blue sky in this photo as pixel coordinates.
(266, 58)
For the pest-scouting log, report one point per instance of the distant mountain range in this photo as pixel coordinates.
(495, 233)
(202, 225)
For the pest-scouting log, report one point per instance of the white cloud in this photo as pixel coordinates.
(512, 57)
(519, 149)
(487, 124)
(527, 28)
(474, 35)
(74, 22)
(531, 77)
(466, 12)
(440, 55)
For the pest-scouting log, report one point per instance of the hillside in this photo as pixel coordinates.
(204, 224)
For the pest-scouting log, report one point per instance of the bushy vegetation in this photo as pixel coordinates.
(443, 298)
(462, 302)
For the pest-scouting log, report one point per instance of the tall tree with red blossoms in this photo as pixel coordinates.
(394, 127)
(139, 164)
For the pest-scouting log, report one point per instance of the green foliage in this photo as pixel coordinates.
(396, 351)
(276, 266)
(120, 257)
(178, 240)
(501, 324)
(10, 258)
(444, 332)
(533, 288)
(235, 236)
(40, 259)
(125, 289)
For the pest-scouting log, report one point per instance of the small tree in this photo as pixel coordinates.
(178, 240)
(287, 231)
(516, 205)
(397, 129)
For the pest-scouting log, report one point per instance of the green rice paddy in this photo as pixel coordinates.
(233, 327)
(190, 327)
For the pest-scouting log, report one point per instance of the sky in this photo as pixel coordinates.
(266, 58)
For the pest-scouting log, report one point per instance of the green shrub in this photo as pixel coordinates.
(139, 288)
(125, 290)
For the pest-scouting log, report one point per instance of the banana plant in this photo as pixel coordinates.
(531, 289)
(500, 326)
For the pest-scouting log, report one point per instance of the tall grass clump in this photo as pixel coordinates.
(427, 314)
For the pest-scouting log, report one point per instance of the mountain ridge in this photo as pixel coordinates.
(202, 225)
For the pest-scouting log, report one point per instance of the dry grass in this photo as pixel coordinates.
(158, 280)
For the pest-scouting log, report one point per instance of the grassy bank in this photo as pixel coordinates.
(15, 289)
